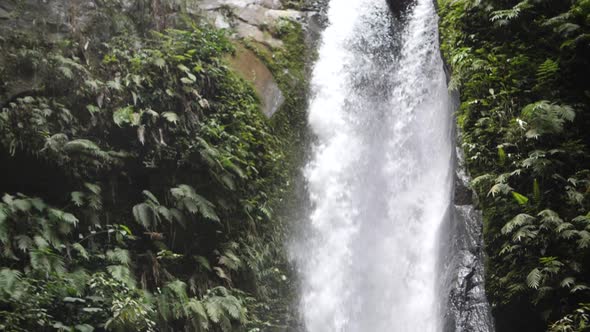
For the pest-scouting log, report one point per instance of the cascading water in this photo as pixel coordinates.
(380, 179)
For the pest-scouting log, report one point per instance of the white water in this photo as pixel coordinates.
(380, 176)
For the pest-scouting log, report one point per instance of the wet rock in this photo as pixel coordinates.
(463, 193)
(398, 7)
(464, 305)
(250, 19)
(251, 68)
(248, 31)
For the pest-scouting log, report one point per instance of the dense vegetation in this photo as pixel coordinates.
(140, 182)
(522, 70)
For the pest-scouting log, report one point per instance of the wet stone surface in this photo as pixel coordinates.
(464, 305)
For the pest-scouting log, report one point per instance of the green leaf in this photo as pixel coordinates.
(125, 229)
(115, 84)
(24, 242)
(204, 262)
(92, 109)
(67, 72)
(584, 241)
(73, 299)
(160, 63)
(81, 250)
(199, 313)
(23, 205)
(533, 279)
(9, 280)
(77, 198)
(186, 80)
(121, 273)
(123, 116)
(499, 188)
(171, 117)
(214, 311)
(221, 273)
(119, 255)
(63, 216)
(567, 282)
(150, 196)
(94, 188)
(518, 221)
(501, 156)
(520, 199)
(84, 328)
(144, 215)
(183, 68)
(579, 288)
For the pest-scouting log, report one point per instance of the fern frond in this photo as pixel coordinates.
(81, 250)
(518, 221)
(198, 314)
(145, 215)
(122, 274)
(533, 279)
(500, 188)
(504, 16)
(9, 281)
(194, 202)
(119, 255)
(584, 240)
(547, 70)
(567, 282)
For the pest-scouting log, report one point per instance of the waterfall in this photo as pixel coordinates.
(380, 178)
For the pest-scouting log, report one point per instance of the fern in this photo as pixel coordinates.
(81, 250)
(198, 314)
(516, 222)
(503, 17)
(482, 180)
(194, 203)
(567, 282)
(145, 215)
(547, 71)
(500, 188)
(10, 282)
(24, 243)
(214, 310)
(533, 279)
(550, 218)
(177, 288)
(119, 255)
(584, 240)
(546, 118)
(122, 274)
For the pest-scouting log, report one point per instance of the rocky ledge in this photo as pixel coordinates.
(247, 20)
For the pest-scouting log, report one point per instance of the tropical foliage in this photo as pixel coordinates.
(522, 70)
(138, 188)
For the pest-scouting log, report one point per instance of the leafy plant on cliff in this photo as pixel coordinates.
(161, 173)
(521, 68)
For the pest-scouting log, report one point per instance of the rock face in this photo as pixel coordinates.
(251, 68)
(398, 7)
(464, 305)
(255, 20)
(247, 19)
